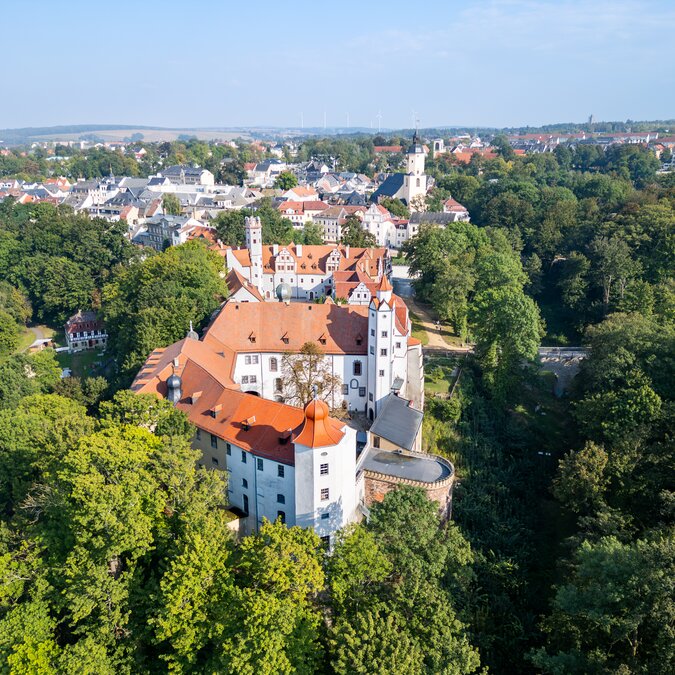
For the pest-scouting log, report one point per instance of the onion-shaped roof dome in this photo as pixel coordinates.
(283, 292)
(173, 382)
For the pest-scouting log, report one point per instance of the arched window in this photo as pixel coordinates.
(282, 516)
(274, 365)
(418, 182)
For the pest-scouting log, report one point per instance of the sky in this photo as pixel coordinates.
(271, 63)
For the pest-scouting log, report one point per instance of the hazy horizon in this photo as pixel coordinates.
(502, 63)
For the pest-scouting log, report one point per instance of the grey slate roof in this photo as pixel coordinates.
(421, 468)
(389, 188)
(397, 422)
(431, 217)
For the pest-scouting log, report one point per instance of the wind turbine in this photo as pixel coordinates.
(379, 121)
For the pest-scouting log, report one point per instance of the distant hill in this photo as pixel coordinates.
(129, 132)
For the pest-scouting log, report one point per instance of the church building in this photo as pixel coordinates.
(406, 186)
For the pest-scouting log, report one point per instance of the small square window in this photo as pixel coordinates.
(323, 469)
(214, 461)
(253, 379)
(247, 360)
(214, 441)
(383, 352)
(326, 541)
(398, 345)
(362, 391)
(281, 499)
(244, 483)
(280, 470)
(260, 464)
(372, 332)
(244, 379)
(325, 516)
(382, 373)
(243, 457)
(372, 349)
(254, 358)
(325, 494)
(385, 333)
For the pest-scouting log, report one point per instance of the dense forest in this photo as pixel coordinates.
(115, 552)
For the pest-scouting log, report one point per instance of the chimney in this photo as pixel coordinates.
(347, 251)
(298, 250)
(275, 249)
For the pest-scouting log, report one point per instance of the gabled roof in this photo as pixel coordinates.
(397, 422)
(278, 327)
(235, 282)
(390, 187)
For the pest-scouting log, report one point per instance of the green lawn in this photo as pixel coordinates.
(83, 364)
(438, 375)
(417, 329)
(27, 336)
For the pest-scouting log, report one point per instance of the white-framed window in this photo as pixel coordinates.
(280, 470)
(274, 364)
(260, 464)
(383, 352)
(214, 441)
(385, 333)
(323, 469)
(381, 373)
(345, 389)
(362, 391)
(244, 379)
(325, 494)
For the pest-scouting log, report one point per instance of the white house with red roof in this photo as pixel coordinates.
(303, 466)
(306, 271)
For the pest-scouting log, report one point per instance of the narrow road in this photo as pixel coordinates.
(403, 288)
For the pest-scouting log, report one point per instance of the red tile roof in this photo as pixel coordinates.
(277, 327)
(212, 403)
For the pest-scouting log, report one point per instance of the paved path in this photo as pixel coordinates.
(403, 288)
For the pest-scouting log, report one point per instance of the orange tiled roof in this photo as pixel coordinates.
(319, 430)
(277, 327)
(212, 402)
(235, 282)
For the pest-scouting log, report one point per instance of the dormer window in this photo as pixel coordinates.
(195, 397)
(248, 423)
(322, 338)
(251, 337)
(359, 340)
(215, 411)
(284, 338)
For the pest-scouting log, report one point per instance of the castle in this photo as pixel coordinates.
(309, 272)
(303, 465)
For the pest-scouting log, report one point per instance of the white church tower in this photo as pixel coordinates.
(254, 245)
(415, 180)
(380, 346)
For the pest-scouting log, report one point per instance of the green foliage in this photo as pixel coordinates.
(9, 334)
(230, 227)
(150, 304)
(61, 260)
(354, 234)
(25, 374)
(286, 180)
(396, 207)
(614, 613)
(171, 204)
(312, 234)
